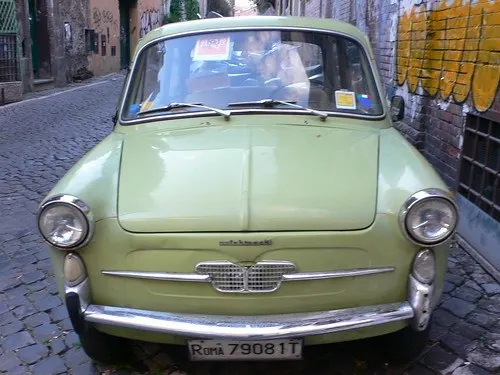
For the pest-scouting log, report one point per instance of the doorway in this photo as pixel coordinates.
(125, 15)
(40, 43)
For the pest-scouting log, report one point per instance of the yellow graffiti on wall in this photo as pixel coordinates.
(452, 50)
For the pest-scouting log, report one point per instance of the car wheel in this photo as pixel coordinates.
(104, 348)
(406, 344)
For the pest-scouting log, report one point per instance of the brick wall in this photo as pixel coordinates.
(313, 8)
(442, 57)
(447, 65)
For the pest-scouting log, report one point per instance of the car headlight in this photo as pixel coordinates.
(429, 217)
(65, 222)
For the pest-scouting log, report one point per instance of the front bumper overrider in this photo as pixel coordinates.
(416, 310)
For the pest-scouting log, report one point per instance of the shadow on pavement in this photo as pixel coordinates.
(355, 357)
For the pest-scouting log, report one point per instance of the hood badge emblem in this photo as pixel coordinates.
(245, 243)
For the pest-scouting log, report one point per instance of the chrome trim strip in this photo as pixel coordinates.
(418, 197)
(249, 327)
(362, 43)
(335, 274)
(299, 276)
(80, 205)
(164, 276)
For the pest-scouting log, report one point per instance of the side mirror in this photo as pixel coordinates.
(397, 108)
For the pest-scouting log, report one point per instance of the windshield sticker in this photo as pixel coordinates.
(213, 49)
(345, 100)
(146, 105)
(365, 101)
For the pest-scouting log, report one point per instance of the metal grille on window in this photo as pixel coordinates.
(9, 64)
(480, 167)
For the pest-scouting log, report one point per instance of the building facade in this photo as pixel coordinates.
(443, 58)
(54, 42)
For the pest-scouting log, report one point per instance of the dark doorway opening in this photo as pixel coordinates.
(125, 10)
(40, 47)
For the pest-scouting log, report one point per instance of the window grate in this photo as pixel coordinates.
(8, 20)
(479, 179)
(8, 58)
(9, 65)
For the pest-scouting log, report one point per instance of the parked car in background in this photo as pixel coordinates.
(253, 197)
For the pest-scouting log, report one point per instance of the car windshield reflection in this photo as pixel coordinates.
(317, 71)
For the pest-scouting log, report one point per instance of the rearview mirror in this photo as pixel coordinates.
(397, 108)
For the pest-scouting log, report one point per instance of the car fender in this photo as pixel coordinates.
(94, 178)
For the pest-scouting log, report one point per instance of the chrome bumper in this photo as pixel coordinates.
(250, 327)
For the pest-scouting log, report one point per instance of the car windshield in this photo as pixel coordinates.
(252, 69)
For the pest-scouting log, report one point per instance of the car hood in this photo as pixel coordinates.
(248, 178)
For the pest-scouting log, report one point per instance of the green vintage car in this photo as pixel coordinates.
(252, 198)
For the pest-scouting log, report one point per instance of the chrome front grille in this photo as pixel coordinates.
(263, 277)
(266, 276)
(225, 276)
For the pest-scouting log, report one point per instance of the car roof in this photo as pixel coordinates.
(253, 21)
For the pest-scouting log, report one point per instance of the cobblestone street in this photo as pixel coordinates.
(43, 136)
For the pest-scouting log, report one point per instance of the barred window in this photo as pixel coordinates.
(8, 58)
(480, 166)
(8, 42)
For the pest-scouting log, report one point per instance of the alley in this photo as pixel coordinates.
(42, 137)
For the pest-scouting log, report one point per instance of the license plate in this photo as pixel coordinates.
(213, 350)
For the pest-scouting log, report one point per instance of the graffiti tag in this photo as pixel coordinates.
(105, 16)
(451, 51)
(150, 19)
(96, 16)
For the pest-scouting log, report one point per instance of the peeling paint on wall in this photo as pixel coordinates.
(452, 51)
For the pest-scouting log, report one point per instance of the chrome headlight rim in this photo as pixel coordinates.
(418, 198)
(69, 200)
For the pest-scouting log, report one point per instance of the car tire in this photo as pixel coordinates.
(104, 348)
(406, 344)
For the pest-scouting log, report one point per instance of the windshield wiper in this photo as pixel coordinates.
(274, 102)
(171, 106)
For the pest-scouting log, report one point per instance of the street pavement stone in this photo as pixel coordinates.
(33, 353)
(52, 365)
(458, 307)
(17, 340)
(483, 318)
(492, 304)
(491, 289)
(46, 332)
(470, 369)
(11, 328)
(42, 138)
(37, 320)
